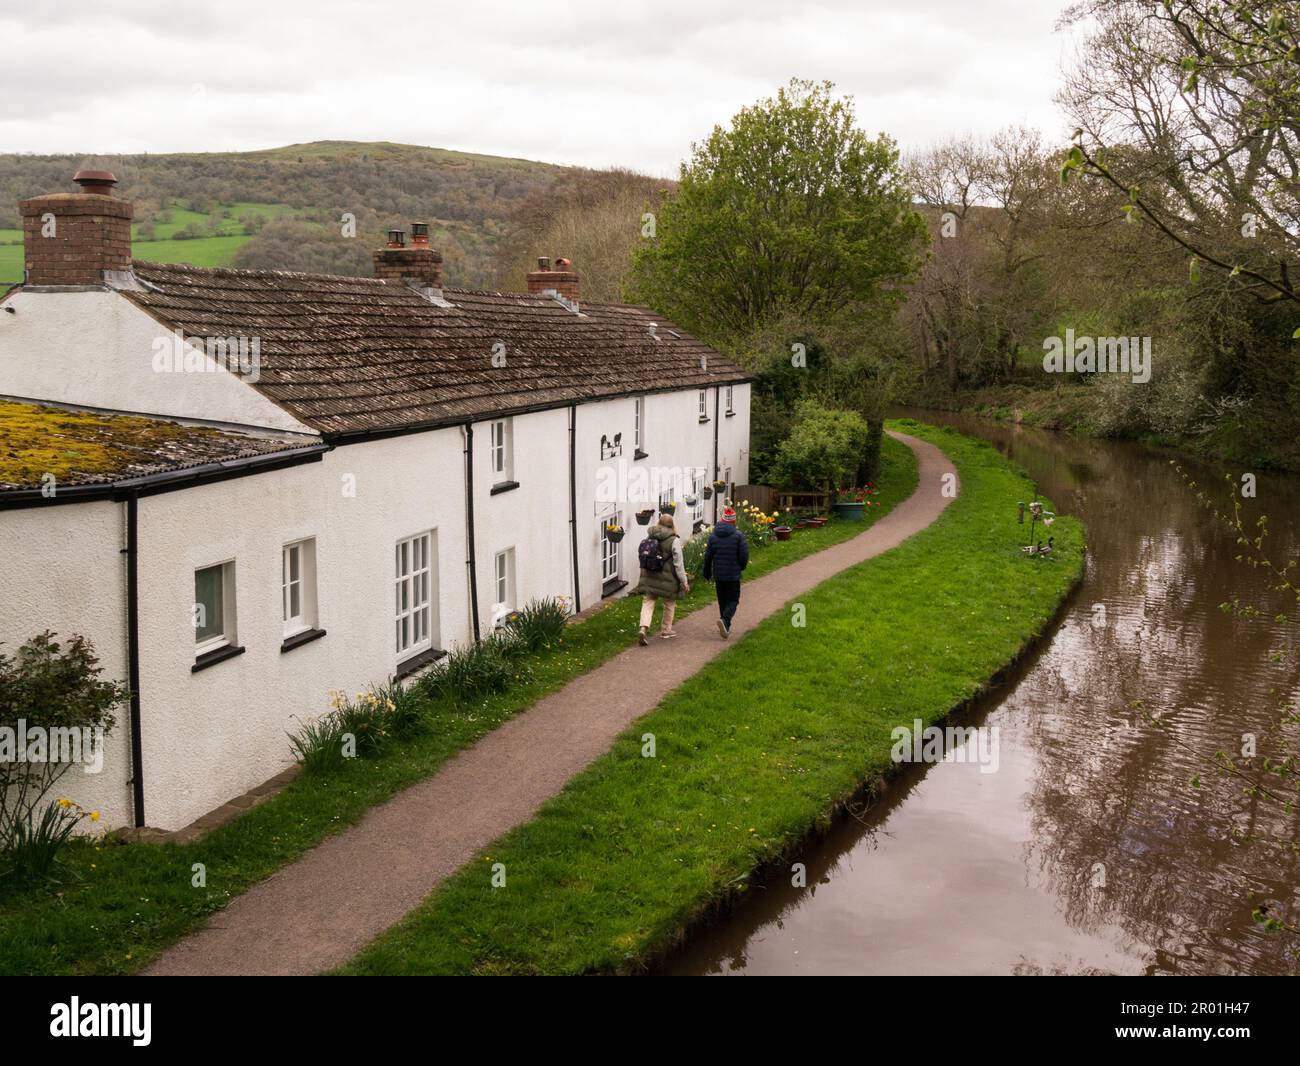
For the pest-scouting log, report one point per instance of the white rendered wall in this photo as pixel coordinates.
(61, 569)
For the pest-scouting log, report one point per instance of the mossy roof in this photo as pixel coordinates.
(86, 448)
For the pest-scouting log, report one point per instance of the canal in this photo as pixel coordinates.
(1103, 843)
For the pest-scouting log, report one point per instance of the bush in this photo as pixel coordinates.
(540, 624)
(56, 689)
(823, 449)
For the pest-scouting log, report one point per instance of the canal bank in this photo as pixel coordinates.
(754, 751)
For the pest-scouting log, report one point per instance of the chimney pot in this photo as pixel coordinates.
(98, 182)
(543, 262)
(420, 234)
(396, 238)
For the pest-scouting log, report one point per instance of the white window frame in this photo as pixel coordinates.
(704, 405)
(731, 400)
(414, 594)
(501, 450)
(305, 619)
(638, 425)
(503, 584)
(697, 490)
(226, 637)
(611, 562)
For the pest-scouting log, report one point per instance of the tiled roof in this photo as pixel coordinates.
(89, 448)
(356, 354)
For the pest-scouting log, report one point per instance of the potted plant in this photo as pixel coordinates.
(708, 492)
(719, 484)
(690, 500)
(850, 503)
(782, 532)
(643, 517)
(614, 532)
(668, 508)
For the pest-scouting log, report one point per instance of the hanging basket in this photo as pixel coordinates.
(719, 484)
(708, 492)
(690, 501)
(643, 517)
(668, 508)
(615, 534)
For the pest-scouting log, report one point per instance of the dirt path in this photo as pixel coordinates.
(320, 911)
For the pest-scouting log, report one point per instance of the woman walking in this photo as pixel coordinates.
(663, 576)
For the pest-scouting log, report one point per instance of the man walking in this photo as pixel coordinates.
(725, 556)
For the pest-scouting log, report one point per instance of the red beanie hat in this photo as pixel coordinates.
(729, 515)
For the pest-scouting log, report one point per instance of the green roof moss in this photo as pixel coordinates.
(80, 447)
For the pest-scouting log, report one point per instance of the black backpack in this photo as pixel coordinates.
(651, 555)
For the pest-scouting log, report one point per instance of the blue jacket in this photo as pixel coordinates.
(726, 554)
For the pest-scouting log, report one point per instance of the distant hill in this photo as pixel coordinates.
(210, 208)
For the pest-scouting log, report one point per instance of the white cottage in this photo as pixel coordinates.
(307, 483)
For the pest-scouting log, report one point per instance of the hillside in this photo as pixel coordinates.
(213, 209)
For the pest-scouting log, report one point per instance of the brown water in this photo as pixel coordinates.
(1088, 850)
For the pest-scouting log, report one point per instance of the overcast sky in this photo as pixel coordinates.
(592, 82)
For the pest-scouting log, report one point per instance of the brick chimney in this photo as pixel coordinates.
(563, 280)
(76, 238)
(418, 264)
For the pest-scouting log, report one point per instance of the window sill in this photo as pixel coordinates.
(217, 655)
(299, 639)
(639, 454)
(611, 587)
(418, 662)
(504, 486)
(731, 414)
(703, 421)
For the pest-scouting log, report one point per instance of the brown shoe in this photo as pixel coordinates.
(641, 639)
(666, 634)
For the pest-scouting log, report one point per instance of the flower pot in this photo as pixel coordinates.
(708, 492)
(643, 517)
(615, 535)
(668, 508)
(782, 532)
(691, 501)
(850, 510)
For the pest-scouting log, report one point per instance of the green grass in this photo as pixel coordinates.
(753, 752)
(120, 905)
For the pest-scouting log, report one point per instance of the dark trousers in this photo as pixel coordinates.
(728, 599)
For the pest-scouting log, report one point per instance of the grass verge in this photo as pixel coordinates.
(118, 906)
(753, 752)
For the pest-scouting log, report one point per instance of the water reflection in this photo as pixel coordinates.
(1090, 850)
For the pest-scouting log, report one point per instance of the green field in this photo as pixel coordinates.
(216, 248)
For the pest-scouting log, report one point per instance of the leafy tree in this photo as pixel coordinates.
(791, 210)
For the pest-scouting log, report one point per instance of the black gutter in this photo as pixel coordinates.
(717, 392)
(133, 653)
(165, 481)
(573, 502)
(471, 562)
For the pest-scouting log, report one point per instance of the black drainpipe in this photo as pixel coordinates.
(133, 652)
(717, 392)
(573, 502)
(471, 562)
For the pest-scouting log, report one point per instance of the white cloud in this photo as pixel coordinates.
(588, 81)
